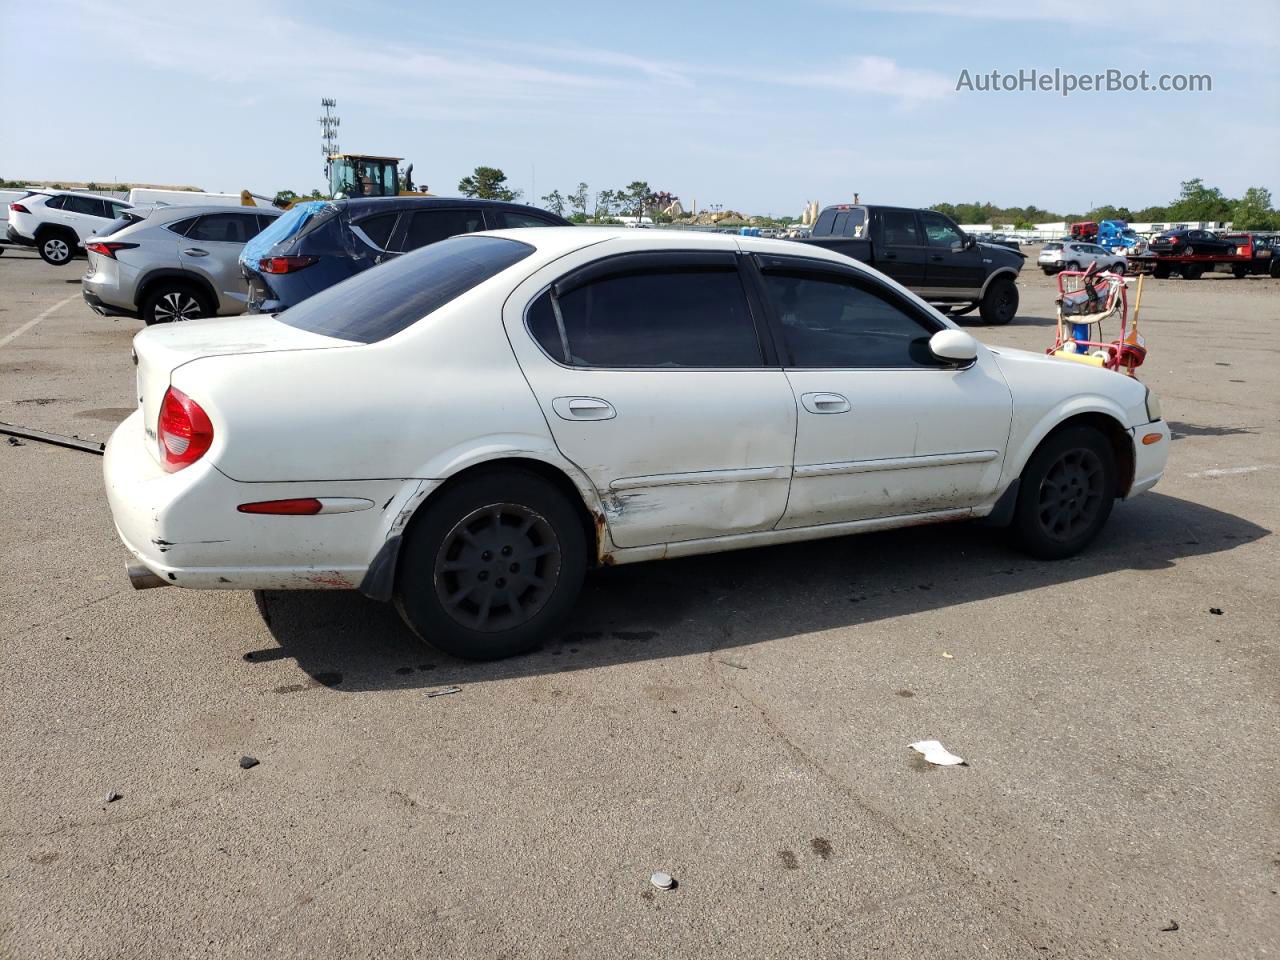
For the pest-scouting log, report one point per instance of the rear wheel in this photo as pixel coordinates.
(1066, 493)
(174, 301)
(1192, 271)
(999, 304)
(1239, 272)
(1161, 272)
(56, 247)
(492, 566)
(1120, 267)
(1073, 265)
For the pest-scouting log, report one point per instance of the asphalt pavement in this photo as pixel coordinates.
(739, 721)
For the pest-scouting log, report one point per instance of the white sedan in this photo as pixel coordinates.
(468, 428)
(1074, 255)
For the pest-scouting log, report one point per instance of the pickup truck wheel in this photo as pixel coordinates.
(56, 247)
(492, 566)
(1000, 303)
(172, 301)
(1066, 493)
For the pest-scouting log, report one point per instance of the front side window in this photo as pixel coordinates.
(376, 304)
(900, 228)
(831, 321)
(663, 317)
(224, 228)
(940, 231)
(432, 226)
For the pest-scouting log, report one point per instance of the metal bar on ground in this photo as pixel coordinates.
(57, 439)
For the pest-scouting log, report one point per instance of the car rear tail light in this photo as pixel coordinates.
(284, 264)
(297, 507)
(108, 249)
(183, 431)
(18, 208)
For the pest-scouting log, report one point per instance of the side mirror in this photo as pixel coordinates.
(954, 346)
(958, 246)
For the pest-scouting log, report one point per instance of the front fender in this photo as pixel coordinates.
(1009, 272)
(1027, 435)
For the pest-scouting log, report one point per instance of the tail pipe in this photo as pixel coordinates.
(142, 578)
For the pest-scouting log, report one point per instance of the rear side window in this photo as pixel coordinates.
(55, 203)
(900, 228)
(384, 300)
(669, 317)
(507, 219)
(224, 228)
(432, 226)
(832, 321)
(378, 229)
(181, 227)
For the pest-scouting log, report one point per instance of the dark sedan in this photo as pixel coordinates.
(1186, 242)
(320, 243)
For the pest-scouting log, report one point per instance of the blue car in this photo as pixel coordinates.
(323, 242)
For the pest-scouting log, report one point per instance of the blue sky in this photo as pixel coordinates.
(759, 106)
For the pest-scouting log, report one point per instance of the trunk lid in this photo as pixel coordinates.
(160, 350)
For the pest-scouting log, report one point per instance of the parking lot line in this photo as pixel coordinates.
(10, 337)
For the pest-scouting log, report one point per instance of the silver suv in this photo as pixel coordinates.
(167, 263)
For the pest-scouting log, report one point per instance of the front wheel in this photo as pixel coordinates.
(492, 566)
(1065, 494)
(1119, 268)
(1000, 303)
(56, 248)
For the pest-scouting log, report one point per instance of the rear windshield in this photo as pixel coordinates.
(1053, 246)
(384, 300)
(834, 222)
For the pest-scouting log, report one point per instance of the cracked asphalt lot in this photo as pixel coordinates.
(739, 721)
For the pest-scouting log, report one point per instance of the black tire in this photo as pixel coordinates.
(463, 552)
(1121, 268)
(172, 300)
(1161, 272)
(1192, 271)
(1073, 265)
(1048, 271)
(999, 304)
(56, 247)
(1239, 272)
(1066, 493)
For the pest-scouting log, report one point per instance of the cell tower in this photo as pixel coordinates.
(329, 124)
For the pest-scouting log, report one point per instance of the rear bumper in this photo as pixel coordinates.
(13, 236)
(185, 527)
(1149, 459)
(100, 307)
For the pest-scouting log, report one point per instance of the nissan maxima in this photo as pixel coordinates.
(467, 429)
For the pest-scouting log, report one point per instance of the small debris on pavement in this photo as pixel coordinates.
(936, 753)
(663, 881)
(247, 763)
(1216, 611)
(947, 655)
(1173, 925)
(443, 691)
(111, 797)
(15, 442)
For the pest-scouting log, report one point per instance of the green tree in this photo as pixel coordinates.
(1253, 211)
(554, 202)
(487, 183)
(284, 198)
(607, 202)
(636, 194)
(578, 201)
(1198, 202)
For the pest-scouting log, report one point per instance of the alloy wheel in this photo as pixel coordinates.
(497, 568)
(57, 250)
(1071, 494)
(176, 306)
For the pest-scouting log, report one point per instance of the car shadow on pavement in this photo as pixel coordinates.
(698, 605)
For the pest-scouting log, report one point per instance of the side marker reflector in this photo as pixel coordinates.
(1151, 438)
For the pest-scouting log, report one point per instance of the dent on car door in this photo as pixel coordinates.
(654, 382)
(885, 428)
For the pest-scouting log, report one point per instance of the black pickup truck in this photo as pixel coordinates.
(926, 253)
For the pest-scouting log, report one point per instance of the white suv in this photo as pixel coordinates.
(56, 222)
(1073, 255)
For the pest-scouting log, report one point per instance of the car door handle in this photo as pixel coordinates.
(891, 256)
(825, 403)
(936, 258)
(195, 252)
(583, 408)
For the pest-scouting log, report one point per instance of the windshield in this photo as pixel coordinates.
(386, 299)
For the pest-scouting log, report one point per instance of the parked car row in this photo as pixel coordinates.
(167, 263)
